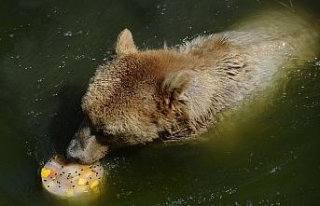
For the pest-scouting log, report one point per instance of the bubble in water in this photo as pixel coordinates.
(26, 68)
(38, 100)
(40, 80)
(29, 113)
(68, 33)
(63, 64)
(275, 169)
(11, 35)
(162, 8)
(78, 57)
(29, 153)
(79, 32)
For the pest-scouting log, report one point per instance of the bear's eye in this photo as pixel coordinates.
(98, 133)
(110, 136)
(104, 138)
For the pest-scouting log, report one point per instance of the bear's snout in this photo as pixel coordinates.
(74, 150)
(86, 151)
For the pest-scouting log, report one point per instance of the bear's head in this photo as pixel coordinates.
(136, 97)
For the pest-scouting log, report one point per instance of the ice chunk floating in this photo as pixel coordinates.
(70, 179)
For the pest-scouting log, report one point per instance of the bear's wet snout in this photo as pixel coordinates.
(74, 150)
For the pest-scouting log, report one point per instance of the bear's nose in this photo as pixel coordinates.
(74, 149)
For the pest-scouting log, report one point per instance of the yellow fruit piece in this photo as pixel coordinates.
(88, 174)
(45, 172)
(94, 184)
(69, 193)
(82, 181)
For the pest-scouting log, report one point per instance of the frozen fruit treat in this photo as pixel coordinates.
(70, 179)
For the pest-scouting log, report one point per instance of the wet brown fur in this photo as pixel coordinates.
(173, 94)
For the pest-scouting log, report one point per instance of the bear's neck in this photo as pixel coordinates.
(220, 78)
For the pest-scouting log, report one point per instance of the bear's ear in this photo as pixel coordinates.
(175, 84)
(125, 43)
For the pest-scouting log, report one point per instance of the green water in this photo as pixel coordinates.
(266, 153)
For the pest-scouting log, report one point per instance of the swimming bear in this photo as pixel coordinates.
(176, 93)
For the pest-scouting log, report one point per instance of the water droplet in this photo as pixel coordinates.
(78, 57)
(26, 68)
(79, 32)
(68, 33)
(275, 169)
(63, 64)
(40, 80)
(30, 112)
(38, 100)
(29, 153)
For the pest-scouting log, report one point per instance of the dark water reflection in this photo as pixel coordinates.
(49, 50)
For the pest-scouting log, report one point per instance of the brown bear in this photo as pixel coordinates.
(176, 93)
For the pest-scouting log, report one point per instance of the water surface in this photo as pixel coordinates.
(265, 153)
